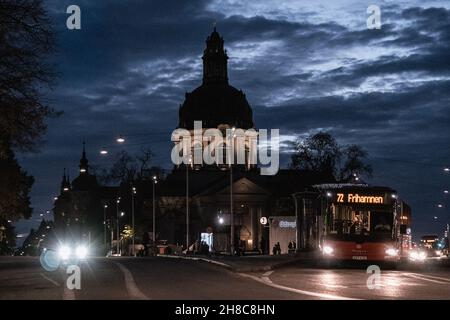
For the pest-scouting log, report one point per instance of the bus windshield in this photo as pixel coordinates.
(347, 222)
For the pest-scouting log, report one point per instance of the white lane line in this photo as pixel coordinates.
(267, 274)
(49, 279)
(433, 277)
(132, 288)
(426, 278)
(268, 282)
(68, 294)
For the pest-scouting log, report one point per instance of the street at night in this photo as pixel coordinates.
(176, 279)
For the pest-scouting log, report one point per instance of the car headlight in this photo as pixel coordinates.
(328, 250)
(392, 252)
(64, 252)
(438, 252)
(418, 256)
(81, 252)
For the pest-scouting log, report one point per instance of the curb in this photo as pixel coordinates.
(221, 264)
(236, 268)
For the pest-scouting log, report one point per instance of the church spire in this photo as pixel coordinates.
(215, 60)
(84, 166)
(65, 183)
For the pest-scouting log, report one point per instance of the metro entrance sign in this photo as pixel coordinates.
(263, 220)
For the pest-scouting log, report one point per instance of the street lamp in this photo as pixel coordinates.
(447, 169)
(231, 152)
(187, 204)
(133, 192)
(117, 223)
(155, 181)
(103, 151)
(120, 139)
(105, 206)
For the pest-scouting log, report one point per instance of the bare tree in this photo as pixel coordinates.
(322, 154)
(26, 39)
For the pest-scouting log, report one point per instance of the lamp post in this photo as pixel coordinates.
(133, 192)
(117, 224)
(104, 225)
(155, 181)
(187, 204)
(231, 151)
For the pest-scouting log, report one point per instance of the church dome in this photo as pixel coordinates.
(215, 102)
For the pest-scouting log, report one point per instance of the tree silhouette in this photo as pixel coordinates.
(322, 154)
(26, 39)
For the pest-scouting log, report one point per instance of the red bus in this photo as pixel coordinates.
(361, 223)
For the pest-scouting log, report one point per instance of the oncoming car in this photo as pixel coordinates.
(69, 252)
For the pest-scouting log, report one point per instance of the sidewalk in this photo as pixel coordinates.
(251, 263)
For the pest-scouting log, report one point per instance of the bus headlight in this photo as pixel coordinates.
(417, 255)
(328, 250)
(81, 252)
(64, 252)
(392, 252)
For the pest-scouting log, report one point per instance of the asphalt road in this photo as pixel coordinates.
(178, 279)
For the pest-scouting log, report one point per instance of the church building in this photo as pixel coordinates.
(223, 206)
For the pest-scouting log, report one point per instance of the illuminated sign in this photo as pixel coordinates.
(356, 198)
(287, 224)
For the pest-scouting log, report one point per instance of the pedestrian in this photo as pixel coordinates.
(274, 250)
(278, 248)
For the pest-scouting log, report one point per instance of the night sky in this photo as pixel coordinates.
(305, 66)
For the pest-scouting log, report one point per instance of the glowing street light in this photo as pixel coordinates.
(221, 220)
(155, 181)
(103, 152)
(446, 191)
(120, 139)
(440, 205)
(447, 169)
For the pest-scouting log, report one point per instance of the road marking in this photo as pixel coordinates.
(132, 288)
(437, 278)
(267, 274)
(428, 278)
(68, 294)
(268, 282)
(49, 279)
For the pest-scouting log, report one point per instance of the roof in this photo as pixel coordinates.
(216, 104)
(204, 182)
